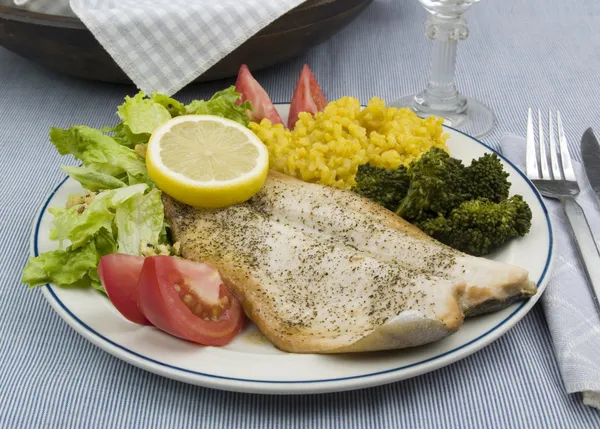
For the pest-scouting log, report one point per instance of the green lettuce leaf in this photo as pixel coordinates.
(139, 219)
(80, 223)
(222, 104)
(71, 267)
(93, 180)
(105, 243)
(114, 170)
(64, 220)
(94, 280)
(98, 151)
(124, 136)
(63, 267)
(174, 107)
(163, 237)
(100, 213)
(142, 115)
(34, 273)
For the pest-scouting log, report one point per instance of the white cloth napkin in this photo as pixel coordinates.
(162, 45)
(570, 311)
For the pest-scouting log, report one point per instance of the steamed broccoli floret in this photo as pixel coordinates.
(437, 185)
(466, 208)
(386, 187)
(479, 227)
(486, 178)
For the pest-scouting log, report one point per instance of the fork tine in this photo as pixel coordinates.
(553, 154)
(564, 151)
(543, 156)
(533, 171)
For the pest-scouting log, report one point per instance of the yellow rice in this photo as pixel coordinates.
(329, 147)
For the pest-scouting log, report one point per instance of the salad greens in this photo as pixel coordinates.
(81, 222)
(222, 104)
(142, 115)
(139, 220)
(100, 153)
(121, 210)
(71, 267)
(92, 179)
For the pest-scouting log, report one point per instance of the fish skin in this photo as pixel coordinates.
(312, 269)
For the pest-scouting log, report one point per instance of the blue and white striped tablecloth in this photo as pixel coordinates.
(543, 53)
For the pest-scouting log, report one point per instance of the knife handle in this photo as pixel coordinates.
(586, 246)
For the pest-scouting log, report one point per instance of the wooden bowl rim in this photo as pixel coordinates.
(73, 22)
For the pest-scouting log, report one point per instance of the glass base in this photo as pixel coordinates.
(476, 120)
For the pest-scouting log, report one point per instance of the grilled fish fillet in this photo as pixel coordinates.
(351, 220)
(322, 270)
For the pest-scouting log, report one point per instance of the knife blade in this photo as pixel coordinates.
(590, 151)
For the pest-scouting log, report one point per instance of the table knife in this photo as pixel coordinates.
(590, 152)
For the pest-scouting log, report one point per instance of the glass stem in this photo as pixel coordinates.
(441, 83)
(440, 94)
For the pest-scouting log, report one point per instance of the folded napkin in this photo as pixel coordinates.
(162, 45)
(570, 311)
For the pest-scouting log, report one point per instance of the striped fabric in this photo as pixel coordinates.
(50, 377)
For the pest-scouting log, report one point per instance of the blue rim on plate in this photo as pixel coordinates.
(329, 380)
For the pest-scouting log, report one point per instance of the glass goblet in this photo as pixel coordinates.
(446, 25)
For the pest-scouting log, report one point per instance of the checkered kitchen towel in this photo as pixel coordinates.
(162, 45)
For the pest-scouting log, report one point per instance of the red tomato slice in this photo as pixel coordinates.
(119, 275)
(262, 106)
(188, 300)
(307, 97)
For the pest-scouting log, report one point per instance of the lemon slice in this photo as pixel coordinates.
(207, 161)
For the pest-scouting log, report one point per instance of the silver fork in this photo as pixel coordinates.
(561, 183)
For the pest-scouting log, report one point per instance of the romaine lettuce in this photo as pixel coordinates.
(142, 115)
(125, 209)
(69, 267)
(93, 180)
(139, 220)
(223, 103)
(98, 152)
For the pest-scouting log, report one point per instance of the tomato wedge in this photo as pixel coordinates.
(119, 274)
(307, 97)
(188, 300)
(262, 106)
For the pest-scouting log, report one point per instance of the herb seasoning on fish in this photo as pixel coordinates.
(324, 270)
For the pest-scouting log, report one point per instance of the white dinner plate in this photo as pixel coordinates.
(251, 364)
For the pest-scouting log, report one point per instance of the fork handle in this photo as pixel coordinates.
(586, 246)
